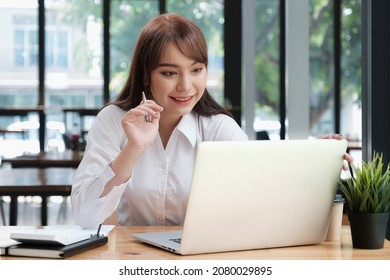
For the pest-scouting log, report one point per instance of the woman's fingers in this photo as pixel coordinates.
(151, 109)
(348, 158)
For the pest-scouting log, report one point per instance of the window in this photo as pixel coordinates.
(25, 40)
(73, 60)
(208, 15)
(56, 49)
(126, 21)
(19, 56)
(76, 76)
(321, 64)
(267, 67)
(26, 48)
(351, 74)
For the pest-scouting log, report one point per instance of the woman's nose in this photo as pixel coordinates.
(184, 83)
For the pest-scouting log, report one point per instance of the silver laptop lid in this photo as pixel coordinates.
(260, 194)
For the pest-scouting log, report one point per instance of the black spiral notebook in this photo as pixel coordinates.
(56, 251)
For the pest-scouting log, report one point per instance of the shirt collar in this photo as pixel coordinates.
(187, 126)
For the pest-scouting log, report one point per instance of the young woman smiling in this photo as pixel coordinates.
(141, 152)
(141, 149)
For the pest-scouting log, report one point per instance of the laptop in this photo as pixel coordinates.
(257, 194)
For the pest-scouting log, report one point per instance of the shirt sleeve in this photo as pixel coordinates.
(105, 140)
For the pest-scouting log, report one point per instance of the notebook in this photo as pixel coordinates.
(58, 241)
(57, 251)
(257, 194)
(50, 236)
(56, 236)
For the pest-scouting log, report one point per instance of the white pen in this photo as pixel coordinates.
(143, 97)
(148, 118)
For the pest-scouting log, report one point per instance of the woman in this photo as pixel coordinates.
(140, 153)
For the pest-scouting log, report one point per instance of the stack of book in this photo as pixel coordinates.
(50, 242)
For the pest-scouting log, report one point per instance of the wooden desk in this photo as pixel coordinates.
(34, 181)
(67, 158)
(4, 132)
(121, 246)
(24, 111)
(82, 111)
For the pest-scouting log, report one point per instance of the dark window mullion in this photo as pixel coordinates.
(41, 52)
(337, 62)
(162, 6)
(106, 51)
(282, 68)
(376, 82)
(233, 56)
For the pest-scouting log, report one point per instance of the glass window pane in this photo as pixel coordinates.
(19, 47)
(62, 49)
(74, 52)
(267, 59)
(351, 91)
(49, 49)
(321, 67)
(32, 48)
(74, 61)
(19, 53)
(127, 19)
(18, 73)
(208, 15)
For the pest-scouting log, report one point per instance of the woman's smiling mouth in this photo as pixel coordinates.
(182, 100)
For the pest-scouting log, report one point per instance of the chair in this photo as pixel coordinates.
(262, 135)
(62, 212)
(2, 211)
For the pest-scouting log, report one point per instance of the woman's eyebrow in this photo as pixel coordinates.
(173, 65)
(167, 65)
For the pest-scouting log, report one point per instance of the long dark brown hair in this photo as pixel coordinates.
(158, 33)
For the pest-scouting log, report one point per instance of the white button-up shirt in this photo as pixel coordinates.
(157, 192)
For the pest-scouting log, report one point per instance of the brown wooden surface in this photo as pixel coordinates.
(354, 146)
(20, 111)
(121, 246)
(68, 158)
(18, 131)
(24, 111)
(44, 182)
(36, 181)
(82, 111)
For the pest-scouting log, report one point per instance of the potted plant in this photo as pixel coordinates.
(367, 193)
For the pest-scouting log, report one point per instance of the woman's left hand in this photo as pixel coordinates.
(347, 156)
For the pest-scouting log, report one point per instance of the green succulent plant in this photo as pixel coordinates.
(368, 188)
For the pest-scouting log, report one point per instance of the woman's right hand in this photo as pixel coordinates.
(139, 131)
(140, 134)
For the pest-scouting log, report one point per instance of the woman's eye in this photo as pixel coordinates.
(169, 73)
(198, 70)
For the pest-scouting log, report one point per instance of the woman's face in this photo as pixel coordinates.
(177, 83)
